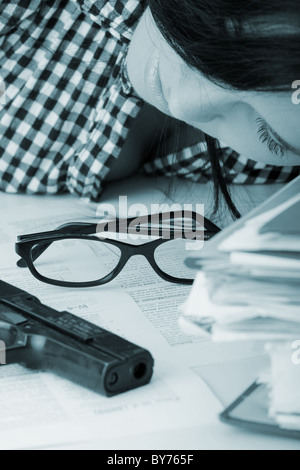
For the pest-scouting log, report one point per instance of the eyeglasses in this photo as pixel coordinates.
(89, 255)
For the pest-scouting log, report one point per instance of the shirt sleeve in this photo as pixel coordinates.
(13, 13)
(119, 16)
(193, 163)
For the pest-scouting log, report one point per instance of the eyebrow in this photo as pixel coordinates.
(285, 145)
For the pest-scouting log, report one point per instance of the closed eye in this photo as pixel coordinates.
(264, 134)
(276, 144)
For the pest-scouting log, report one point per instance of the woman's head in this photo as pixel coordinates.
(225, 67)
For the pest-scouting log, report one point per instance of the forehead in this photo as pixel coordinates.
(277, 108)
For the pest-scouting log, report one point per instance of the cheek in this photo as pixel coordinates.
(190, 96)
(186, 102)
(236, 129)
(246, 144)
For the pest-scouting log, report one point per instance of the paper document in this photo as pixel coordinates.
(247, 278)
(249, 290)
(40, 409)
(276, 229)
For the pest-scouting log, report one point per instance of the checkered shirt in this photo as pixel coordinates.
(67, 104)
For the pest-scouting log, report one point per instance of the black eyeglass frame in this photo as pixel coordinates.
(83, 231)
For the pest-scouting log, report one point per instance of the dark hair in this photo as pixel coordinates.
(237, 44)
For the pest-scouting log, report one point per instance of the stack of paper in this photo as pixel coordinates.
(249, 288)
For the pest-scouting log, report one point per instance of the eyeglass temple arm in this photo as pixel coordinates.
(88, 228)
(38, 250)
(126, 224)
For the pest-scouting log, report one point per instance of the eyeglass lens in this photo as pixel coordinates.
(75, 260)
(82, 260)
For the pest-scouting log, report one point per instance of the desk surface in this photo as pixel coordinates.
(194, 378)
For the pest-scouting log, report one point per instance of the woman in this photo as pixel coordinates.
(96, 88)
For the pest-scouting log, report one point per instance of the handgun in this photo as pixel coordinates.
(41, 338)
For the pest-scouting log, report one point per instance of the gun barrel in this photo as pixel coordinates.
(45, 339)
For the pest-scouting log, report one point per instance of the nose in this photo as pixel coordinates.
(202, 107)
(193, 98)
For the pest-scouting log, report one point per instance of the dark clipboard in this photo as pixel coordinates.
(250, 411)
